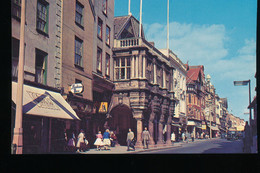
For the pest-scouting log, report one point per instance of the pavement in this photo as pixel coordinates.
(123, 149)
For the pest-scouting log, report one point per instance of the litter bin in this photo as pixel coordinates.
(13, 149)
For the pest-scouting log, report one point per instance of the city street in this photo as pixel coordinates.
(218, 146)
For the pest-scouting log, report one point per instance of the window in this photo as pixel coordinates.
(41, 67)
(122, 68)
(15, 56)
(99, 29)
(107, 35)
(16, 8)
(167, 81)
(99, 60)
(78, 52)
(79, 13)
(104, 7)
(107, 64)
(42, 16)
(149, 71)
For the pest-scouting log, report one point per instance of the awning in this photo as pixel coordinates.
(214, 128)
(191, 123)
(42, 102)
(177, 125)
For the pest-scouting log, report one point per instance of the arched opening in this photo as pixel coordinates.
(121, 120)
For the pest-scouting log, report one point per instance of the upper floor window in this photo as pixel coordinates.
(16, 8)
(107, 35)
(107, 64)
(167, 80)
(159, 76)
(149, 71)
(42, 16)
(99, 29)
(99, 60)
(104, 5)
(41, 67)
(78, 51)
(79, 14)
(122, 68)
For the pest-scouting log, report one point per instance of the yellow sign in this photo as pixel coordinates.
(203, 127)
(103, 107)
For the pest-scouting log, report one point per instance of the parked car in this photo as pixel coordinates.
(231, 135)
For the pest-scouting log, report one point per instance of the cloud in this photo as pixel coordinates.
(206, 45)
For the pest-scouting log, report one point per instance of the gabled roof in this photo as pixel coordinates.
(121, 22)
(193, 73)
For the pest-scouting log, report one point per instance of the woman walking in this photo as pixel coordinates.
(106, 139)
(81, 141)
(99, 143)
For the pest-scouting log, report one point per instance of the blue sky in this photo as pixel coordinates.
(219, 34)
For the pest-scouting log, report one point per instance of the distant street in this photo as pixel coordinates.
(217, 146)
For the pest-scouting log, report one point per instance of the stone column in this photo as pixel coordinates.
(151, 129)
(160, 130)
(155, 74)
(169, 122)
(144, 66)
(132, 67)
(136, 66)
(137, 114)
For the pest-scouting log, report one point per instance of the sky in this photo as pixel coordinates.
(219, 34)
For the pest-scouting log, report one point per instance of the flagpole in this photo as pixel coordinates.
(129, 7)
(140, 26)
(168, 25)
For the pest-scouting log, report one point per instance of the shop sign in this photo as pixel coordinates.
(203, 127)
(76, 88)
(103, 107)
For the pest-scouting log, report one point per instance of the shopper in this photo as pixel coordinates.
(113, 139)
(183, 136)
(99, 143)
(106, 139)
(81, 141)
(129, 140)
(192, 136)
(146, 137)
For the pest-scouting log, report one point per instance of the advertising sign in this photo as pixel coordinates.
(103, 107)
(76, 88)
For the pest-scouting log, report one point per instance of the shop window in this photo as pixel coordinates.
(122, 68)
(99, 60)
(41, 67)
(79, 14)
(42, 16)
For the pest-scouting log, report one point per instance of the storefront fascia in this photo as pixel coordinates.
(40, 107)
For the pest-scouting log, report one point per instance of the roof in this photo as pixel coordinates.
(193, 73)
(119, 22)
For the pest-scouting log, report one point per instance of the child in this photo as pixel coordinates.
(99, 141)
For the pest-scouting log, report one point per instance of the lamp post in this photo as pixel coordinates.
(242, 83)
(18, 129)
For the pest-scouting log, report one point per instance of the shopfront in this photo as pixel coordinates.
(44, 115)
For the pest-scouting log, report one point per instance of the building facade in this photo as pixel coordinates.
(43, 106)
(196, 92)
(143, 94)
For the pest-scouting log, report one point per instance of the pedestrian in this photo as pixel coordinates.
(204, 135)
(192, 137)
(198, 135)
(81, 141)
(173, 137)
(145, 137)
(72, 141)
(247, 140)
(106, 139)
(99, 143)
(183, 136)
(65, 148)
(113, 139)
(187, 137)
(129, 140)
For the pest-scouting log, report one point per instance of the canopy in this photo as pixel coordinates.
(42, 102)
(214, 128)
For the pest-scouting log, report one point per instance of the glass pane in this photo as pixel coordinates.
(128, 73)
(122, 62)
(117, 62)
(128, 62)
(117, 73)
(122, 73)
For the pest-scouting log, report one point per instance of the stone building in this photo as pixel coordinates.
(195, 99)
(223, 112)
(43, 105)
(143, 93)
(102, 62)
(78, 19)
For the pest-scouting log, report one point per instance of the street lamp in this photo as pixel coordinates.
(243, 83)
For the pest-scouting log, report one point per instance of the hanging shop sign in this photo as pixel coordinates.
(203, 127)
(103, 107)
(76, 88)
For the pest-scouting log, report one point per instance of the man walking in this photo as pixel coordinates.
(129, 139)
(146, 137)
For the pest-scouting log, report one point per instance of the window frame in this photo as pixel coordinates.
(126, 68)
(99, 62)
(78, 40)
(81, 23)
(104, 10)
(45, 30)
(100, 28)
(108, 35)
(107, 71)
(41, 54)
(16, 8)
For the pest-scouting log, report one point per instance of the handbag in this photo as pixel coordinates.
(86, 141)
